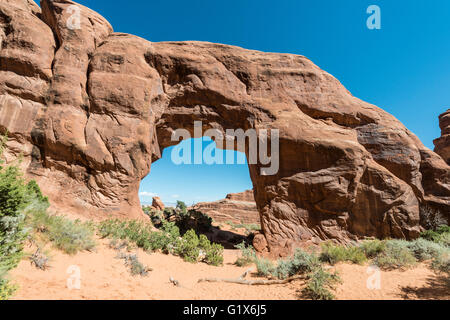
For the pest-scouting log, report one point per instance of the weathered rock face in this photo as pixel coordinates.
(90, 109)
(443, 143)
(236, 207)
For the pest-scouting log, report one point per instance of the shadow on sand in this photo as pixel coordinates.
(436, 288)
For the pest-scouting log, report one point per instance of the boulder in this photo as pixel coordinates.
(158, 204)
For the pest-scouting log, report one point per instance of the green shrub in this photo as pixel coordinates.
(424, 249)
(319, 281)
(333, 254)
(181, 206)
(6, 288)
(213, 252)
(16, 197)
(188, 247)
(70, 236)
(300, 263)
(135, 266)
(168, 240)
(247, 254)
(193, 219)
(264, 267)
(134, 231)
(440, 235)
(372, 248)
(442, 263)
(396, 255)
(320, 285)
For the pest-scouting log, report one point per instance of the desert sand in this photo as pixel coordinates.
(103, 276)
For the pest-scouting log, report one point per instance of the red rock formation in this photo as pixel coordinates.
(242, 196)
(443, 143)
(90, 109)
(236, 207)
(157, 204)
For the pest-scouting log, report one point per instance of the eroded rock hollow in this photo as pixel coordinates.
(90, 109)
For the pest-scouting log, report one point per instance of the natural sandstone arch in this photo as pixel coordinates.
(94, 108)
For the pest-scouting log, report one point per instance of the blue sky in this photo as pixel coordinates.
(403, 68)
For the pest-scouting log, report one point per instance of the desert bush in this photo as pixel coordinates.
(264, 267)
(7, 289)
(396, 255)
(333, 254)
(70, 236)
(134, 231)
(372, 248)
(319, 282)
(247, 254)
(213, 252)
(183, 218)
(168, 240)
(320, 285)
(15, 197)
(135, 266)
(40, 260)
(424, 249)
(193, 219)
(300, 263)
(440, 235)
(442, 263)
(188, 247)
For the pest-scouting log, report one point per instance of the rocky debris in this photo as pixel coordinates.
(236, 207)
(90, 109)
(443, 143)
(157, 204)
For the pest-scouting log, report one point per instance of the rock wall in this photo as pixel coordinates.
(90, 109)
(236, 207)
(443, 143)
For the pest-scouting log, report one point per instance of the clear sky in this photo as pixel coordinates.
(403, 68)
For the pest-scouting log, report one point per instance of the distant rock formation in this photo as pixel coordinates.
(443, 143)
(89, 109)
(247, 196)
(157, 204)
(236, 207)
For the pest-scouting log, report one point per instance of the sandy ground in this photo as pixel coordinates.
(103, 276)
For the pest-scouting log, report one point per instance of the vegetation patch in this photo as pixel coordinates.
(183, 218)
(247, 255)
(135, 266)
(40, 260)
(16, 198)
(333, 254)
(168, 240)
(69, 236)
